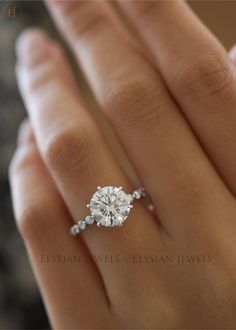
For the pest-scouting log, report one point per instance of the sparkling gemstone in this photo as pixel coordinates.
(137, 194)
(82, 225)
(89, 220)
(74, 230)
(110, 206)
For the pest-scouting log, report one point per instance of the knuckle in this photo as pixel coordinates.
(144, 9)
(22, 159)
(41, 77)
(83, 17)
(33, 222)
(72, 149)
(133, 101)
(26, 221)
(209, 76)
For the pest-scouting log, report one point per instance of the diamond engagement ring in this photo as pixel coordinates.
(109, 207)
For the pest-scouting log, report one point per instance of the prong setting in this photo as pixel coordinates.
(109, 207)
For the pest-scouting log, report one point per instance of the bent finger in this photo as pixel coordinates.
(79, 159)
(66, 281)
(197, 71)
(133, 95)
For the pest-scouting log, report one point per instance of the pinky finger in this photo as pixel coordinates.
(72, 291)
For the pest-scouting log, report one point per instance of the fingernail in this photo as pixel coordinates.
(30, 42)
(25, 133)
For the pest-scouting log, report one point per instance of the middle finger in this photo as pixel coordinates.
(155, 135)
(197, 71)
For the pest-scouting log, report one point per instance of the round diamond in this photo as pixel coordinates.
(81, 224)
(137, 194)
(110, 206)
(74, 230)
(89, 220)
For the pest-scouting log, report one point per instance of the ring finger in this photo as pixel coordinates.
(79, 159)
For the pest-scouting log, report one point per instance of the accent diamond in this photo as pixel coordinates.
(81, 225)
(89, 220)
(74, 230)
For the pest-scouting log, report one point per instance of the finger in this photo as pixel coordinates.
(232, 54)
(198, 72)
(79, 160)
(155, 135)
(70, 286)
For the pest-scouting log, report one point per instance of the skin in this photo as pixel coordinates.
(171, 100)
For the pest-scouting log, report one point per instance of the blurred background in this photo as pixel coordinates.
(20, 302)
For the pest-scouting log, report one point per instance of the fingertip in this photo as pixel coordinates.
(29, 41)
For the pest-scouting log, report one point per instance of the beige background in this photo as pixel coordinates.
(220, 17)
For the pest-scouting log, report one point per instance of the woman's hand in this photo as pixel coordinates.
(172, 104)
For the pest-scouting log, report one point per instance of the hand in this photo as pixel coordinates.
(172, 103)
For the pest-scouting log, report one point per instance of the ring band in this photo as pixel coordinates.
(109, 207)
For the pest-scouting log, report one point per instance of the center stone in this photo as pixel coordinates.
(110, 206)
